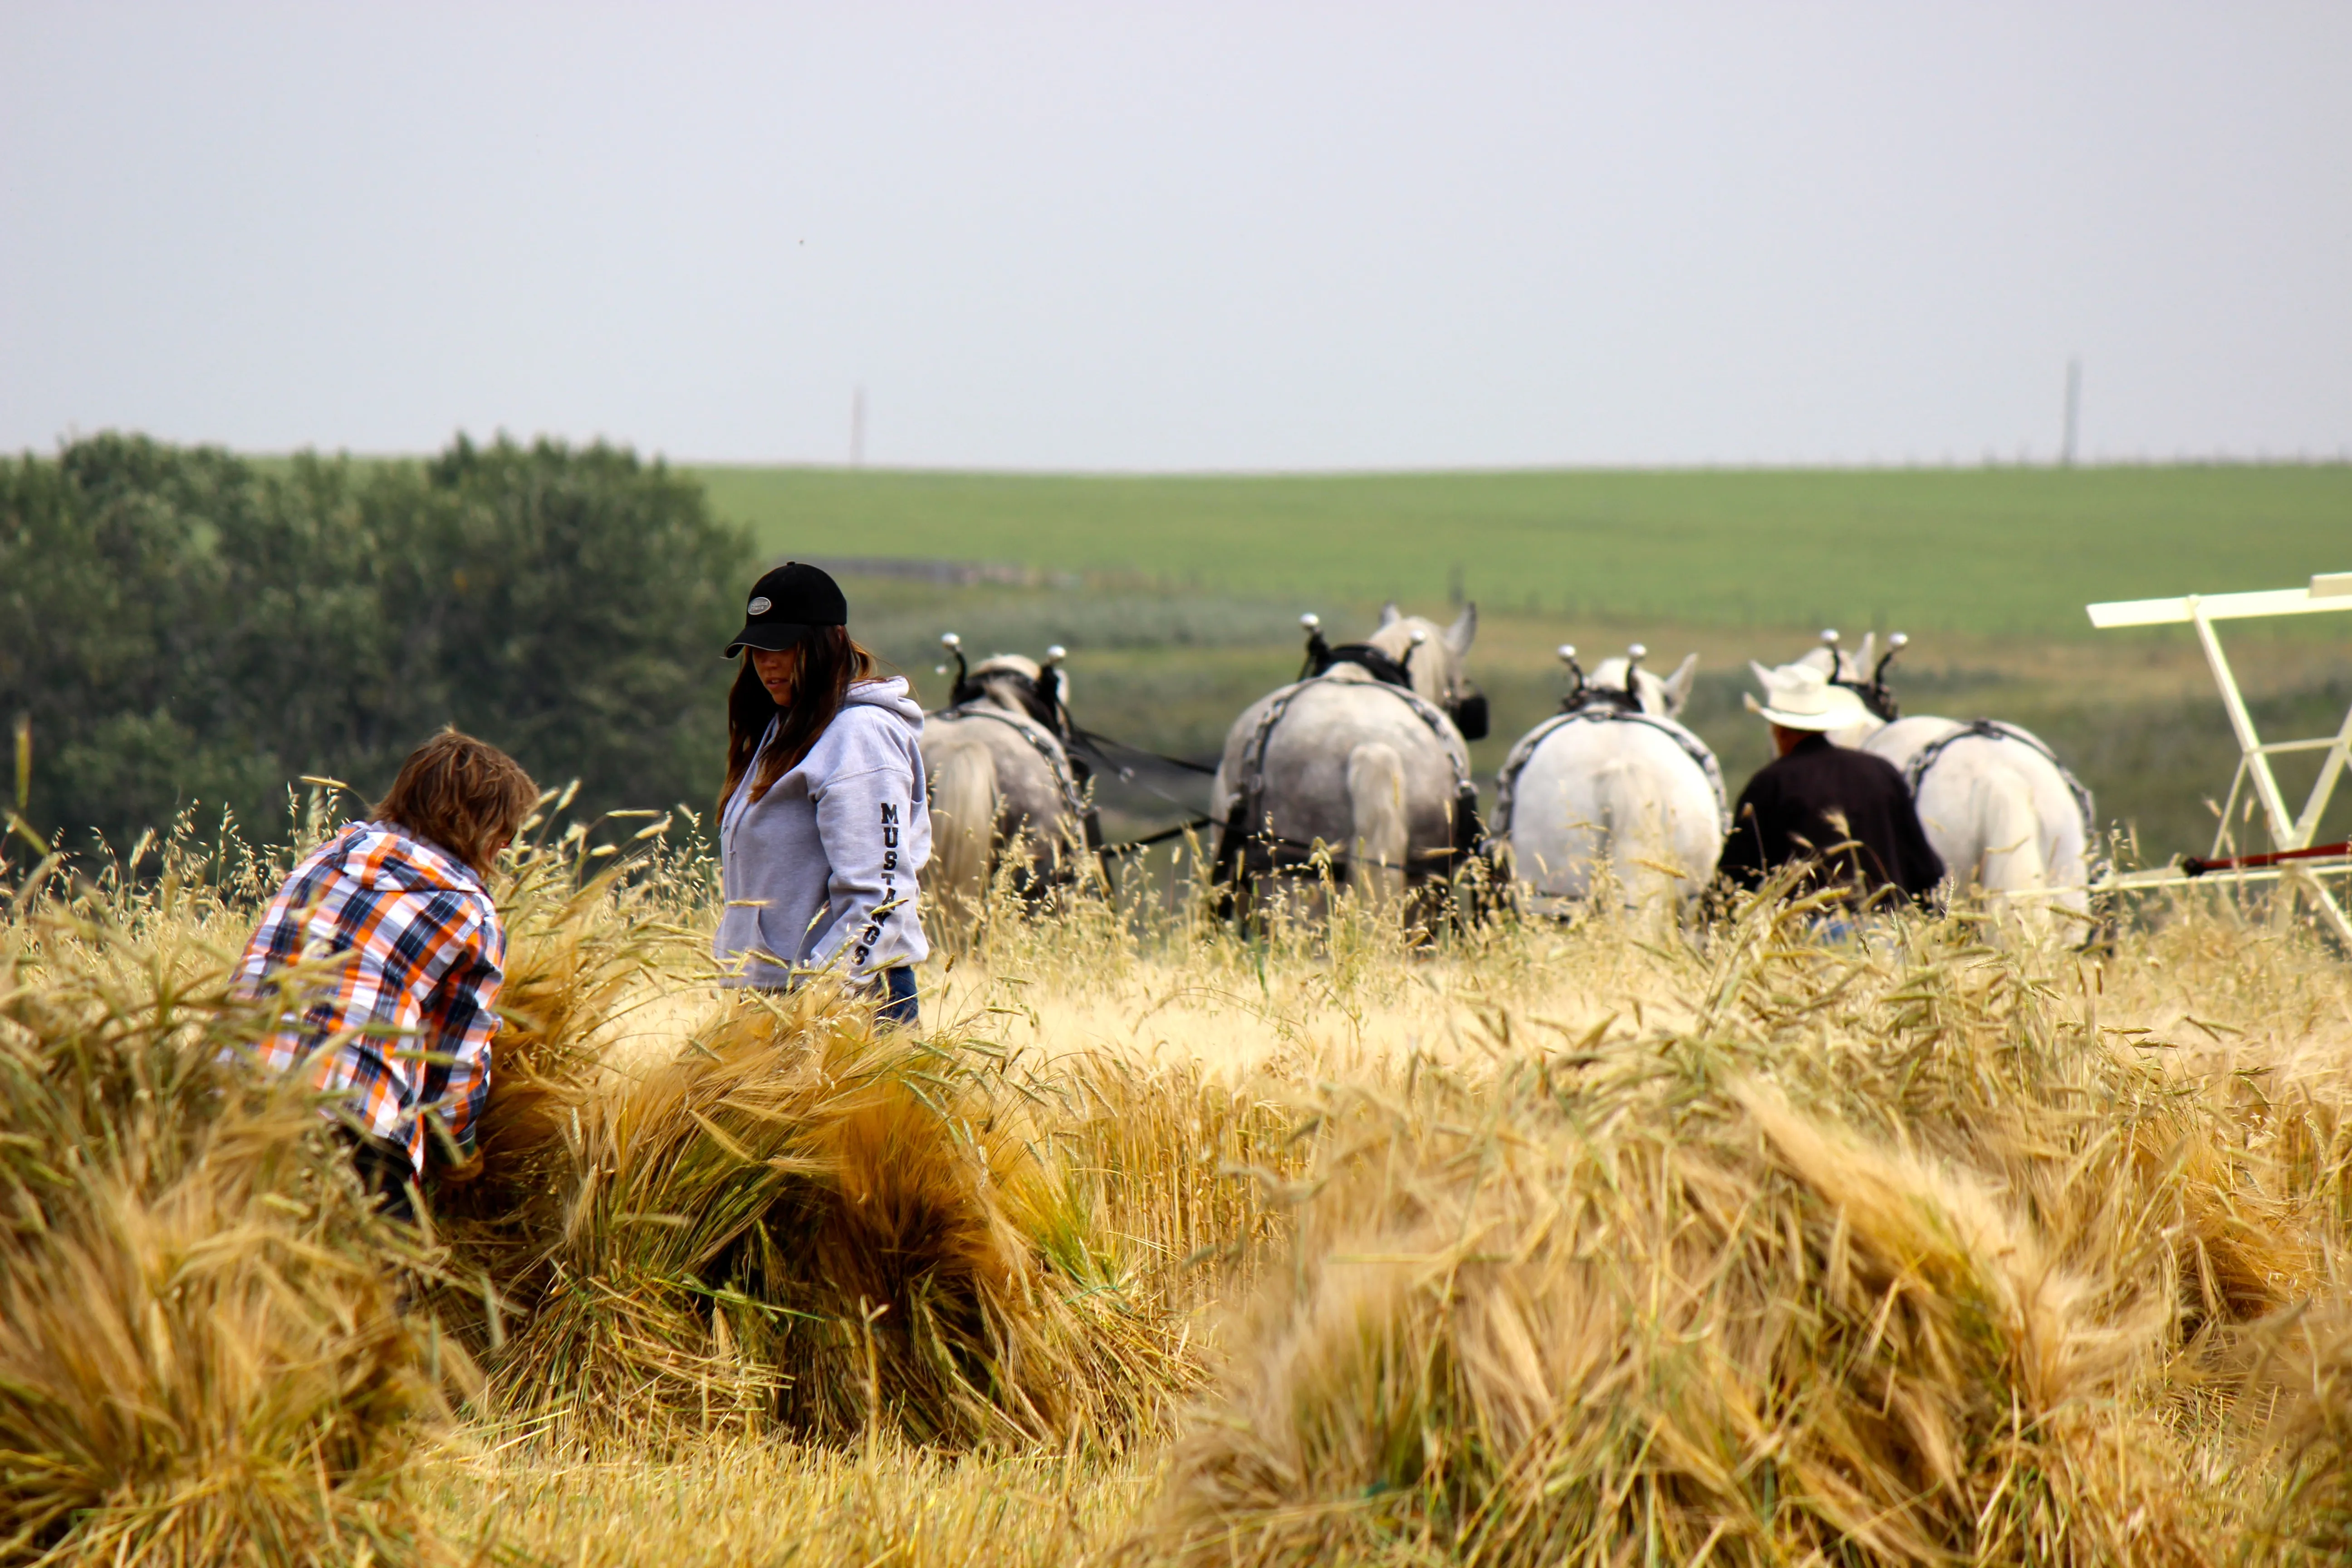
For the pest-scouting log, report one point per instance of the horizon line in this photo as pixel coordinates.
(2342, 459)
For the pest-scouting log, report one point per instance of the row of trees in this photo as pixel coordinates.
(185, 627)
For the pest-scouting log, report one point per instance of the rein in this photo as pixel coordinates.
(1095, 743)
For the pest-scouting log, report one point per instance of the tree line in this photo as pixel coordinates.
(180, 627)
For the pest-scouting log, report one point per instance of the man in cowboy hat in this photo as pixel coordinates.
(1846, 815)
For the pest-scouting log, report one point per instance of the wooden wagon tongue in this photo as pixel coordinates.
(2195, 866)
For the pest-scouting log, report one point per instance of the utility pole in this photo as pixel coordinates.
(857, 428)
(2073, 411)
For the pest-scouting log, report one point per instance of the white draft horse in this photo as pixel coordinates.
(1002, 780)
(1362, 763)
(1613, 788)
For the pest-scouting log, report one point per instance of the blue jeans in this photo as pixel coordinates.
(385, 1171)
(899, 985)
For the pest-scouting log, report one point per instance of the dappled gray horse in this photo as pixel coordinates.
(2008, 818)
(1363, 760)
(1002, 778)
(1612, 784)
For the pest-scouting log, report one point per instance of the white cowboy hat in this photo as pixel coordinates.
(1799, 697)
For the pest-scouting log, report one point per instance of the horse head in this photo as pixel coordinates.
(1661, 697)
(1016, 684)
(1863, 673)
(1436, 660)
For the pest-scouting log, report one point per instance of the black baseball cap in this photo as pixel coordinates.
(787, 605)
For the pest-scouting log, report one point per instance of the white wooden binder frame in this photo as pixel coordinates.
(2288, 829)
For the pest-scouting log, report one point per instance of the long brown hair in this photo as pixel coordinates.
(830, 663)
(463, 794)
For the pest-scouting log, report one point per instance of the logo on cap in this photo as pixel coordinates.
(759, 606)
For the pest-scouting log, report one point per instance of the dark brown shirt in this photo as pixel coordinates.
(1846, 813)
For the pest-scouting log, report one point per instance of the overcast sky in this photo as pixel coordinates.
(1183, 235)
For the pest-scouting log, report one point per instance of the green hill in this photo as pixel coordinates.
(1991, 550)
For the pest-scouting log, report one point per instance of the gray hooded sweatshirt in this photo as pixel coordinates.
(820, 871)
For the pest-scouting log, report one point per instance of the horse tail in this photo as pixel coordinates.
(965, 804)
(1378, 833)
(1631, 829)
(2012, 859)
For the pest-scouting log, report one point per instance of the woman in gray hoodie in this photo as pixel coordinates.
(823, 826)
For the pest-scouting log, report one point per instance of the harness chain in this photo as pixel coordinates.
(1507, 783)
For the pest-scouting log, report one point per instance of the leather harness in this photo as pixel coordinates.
(1040, 742)
(1467, 709)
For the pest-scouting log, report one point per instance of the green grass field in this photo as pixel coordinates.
(2010, 551)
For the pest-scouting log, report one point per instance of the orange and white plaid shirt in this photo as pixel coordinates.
(409, 954)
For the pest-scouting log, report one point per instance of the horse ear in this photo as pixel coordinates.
(1677, 686)
(1862, 661)
(1465, 627)
(1390, 615)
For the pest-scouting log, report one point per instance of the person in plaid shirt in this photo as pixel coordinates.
(401, 956)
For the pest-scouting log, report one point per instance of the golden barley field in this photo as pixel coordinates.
(1596, 1242)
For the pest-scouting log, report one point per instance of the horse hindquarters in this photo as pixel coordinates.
(1986, 809)
(965, 805)
(1345, 767)
(2004, 817)
(2009, 830)
(1380, 841)
(1635, 837)
(1617, 793)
